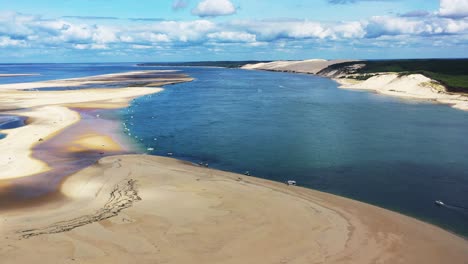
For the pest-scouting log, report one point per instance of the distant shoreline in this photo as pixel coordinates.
(19, 74)
(139, 206)
(406, 84)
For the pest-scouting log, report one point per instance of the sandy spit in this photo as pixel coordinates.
(146, 209)
(48, 113)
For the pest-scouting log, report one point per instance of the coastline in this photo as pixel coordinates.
(145, 207)
(142, 208)
(415, 86)
(49, 113)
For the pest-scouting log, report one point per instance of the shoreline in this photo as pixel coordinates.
(142, 208)
(18, 74)
(49, 113)
(122, 204)
(414, 86)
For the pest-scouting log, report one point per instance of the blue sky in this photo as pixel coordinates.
(190, 30)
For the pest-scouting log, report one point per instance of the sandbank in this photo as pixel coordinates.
(17, 74)
(146, 209)
(48, 113)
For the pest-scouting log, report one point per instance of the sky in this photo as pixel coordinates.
(200, 30)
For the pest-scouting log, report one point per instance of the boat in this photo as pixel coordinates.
(439, 203)
(291, 183)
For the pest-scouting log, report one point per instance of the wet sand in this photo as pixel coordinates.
(146, 209)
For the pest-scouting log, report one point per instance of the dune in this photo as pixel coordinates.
(414, 86)
(312, 66)
(147, 209)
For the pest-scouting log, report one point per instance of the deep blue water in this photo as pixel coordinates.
(51, 71)
(398, 154)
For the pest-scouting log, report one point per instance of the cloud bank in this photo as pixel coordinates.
(445, 29)
(454, 8)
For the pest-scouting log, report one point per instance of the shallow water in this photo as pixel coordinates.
(10, 122)
(398, 154)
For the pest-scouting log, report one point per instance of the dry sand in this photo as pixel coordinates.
(312, 66)
(145, 209)
(44, 122)
(48, 114)
(414, 86)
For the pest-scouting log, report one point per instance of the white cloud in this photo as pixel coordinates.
(213, 8)
(230, 36)
(34, 32)
(90, 46)
(8, 42)
(453, 8)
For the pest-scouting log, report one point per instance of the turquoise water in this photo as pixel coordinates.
(398, 154)
(401, 155)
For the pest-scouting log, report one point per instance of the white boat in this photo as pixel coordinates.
(291, 183)
(439, 203)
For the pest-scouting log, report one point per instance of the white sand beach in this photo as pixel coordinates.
(416, 86)
(146, 209)
(312, 66)
(48, 113)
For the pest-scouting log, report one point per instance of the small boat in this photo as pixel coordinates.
(439, 203)
(247, 173)
(291, 183)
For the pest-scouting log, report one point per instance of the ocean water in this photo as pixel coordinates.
(398, 154)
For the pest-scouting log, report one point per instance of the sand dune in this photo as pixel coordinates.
(145, 209)
(415, 86)
(312, 66)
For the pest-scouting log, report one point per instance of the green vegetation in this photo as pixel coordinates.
(360, 77)
(452, 73)
(224, 64)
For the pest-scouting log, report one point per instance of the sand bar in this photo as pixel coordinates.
(48, 114)
(146, 209)
(18, 74)
(44, 122)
